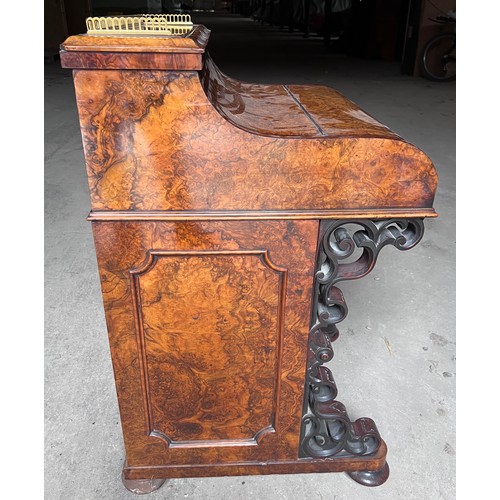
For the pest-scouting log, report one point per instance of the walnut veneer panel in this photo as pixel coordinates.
(256, 108)
(337, 116)
(115, 60)
(202, 390)
(208, 326)
(292, 111)
(154, 141)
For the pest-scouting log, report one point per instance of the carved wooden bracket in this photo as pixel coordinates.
(326, 428)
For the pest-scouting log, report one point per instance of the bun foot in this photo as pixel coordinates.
(142, 486)
(369, 477)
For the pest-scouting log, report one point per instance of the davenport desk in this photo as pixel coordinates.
(225, 217)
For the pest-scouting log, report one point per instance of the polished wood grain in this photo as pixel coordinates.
(208, 326)
(336, 116)
(154, 141)
(198, 393)
(292, 111)
(207, 195)
(114, 60)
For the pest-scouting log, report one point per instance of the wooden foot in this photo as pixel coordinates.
(370, 478)
(142, 486)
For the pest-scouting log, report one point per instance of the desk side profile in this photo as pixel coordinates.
(223, 216)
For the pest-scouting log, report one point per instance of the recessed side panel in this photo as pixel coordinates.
(210, 329)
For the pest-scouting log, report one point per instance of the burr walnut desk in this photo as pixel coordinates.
(224, 215)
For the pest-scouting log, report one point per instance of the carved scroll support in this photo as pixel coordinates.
(348, 250)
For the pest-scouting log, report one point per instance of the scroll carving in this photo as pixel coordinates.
(326, 428)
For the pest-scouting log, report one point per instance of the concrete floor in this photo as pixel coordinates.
(395, 359)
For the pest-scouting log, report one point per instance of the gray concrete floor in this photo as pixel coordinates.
(395, 359)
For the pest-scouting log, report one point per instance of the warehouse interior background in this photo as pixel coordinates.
(370, 51)
(391, 30)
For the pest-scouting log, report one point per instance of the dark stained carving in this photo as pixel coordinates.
(371, 477)
(326, 429)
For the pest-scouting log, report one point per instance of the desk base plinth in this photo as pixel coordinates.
(369, 470)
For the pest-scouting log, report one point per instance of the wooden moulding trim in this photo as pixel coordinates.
(303, 465)
(193, 42)
(114, 60)
(112, 215)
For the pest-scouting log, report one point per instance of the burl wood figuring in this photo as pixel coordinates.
(223, 216)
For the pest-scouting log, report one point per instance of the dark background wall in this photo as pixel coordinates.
(394, 30)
